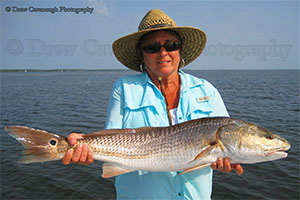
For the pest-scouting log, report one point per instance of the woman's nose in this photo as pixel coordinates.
(163, 51)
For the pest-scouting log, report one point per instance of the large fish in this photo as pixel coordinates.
(183, 147)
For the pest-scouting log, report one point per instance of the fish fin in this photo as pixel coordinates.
(205, 151)
(218, 139)
(195, 168)
(39, 145)
(111, 170)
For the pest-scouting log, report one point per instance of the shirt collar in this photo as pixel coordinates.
(186, 82)
(142, 81)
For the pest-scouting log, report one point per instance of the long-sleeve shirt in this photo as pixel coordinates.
(135, 102)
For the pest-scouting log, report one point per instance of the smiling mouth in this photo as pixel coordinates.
(163, 62)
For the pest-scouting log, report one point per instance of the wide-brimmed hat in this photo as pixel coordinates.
(125, 48)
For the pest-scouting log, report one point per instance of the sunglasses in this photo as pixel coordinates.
(155, 48)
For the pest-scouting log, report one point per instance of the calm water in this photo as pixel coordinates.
(77, 102)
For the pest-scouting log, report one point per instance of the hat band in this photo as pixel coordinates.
(159, 26)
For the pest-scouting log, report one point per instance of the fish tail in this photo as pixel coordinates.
(39, 145)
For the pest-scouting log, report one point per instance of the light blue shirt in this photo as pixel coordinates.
(136, 102)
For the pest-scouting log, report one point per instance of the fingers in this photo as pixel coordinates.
(81, 154)
(77, 153)
(224, 165)
(90, 158)
(238, 168)
(218, 165)
(227, 165)
(84, 153)
(68, 156)
(214, 166)
(72, 138)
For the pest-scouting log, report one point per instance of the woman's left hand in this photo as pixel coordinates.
(223, 165)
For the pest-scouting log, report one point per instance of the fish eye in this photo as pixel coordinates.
(53, 142)
(270, 137)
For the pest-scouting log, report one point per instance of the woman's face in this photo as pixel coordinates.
(163, 63)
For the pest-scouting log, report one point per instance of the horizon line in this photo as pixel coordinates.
(62, 70)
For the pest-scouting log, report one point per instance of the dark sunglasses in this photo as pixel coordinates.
(155, 48)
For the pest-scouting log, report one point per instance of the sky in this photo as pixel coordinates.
(244, 34)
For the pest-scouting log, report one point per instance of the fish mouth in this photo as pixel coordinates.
(278, 151)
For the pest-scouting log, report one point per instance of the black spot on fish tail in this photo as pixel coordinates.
(53, 142)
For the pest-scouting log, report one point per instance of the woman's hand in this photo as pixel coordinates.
(224, 165)
(81, 155)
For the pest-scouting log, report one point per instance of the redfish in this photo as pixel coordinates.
(183, 147)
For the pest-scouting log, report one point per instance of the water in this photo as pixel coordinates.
(77, 102)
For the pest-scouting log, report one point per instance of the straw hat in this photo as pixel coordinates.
(125, 48)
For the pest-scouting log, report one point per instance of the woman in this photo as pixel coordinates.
(161, 95)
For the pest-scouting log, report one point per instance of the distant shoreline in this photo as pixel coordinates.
(86, 70)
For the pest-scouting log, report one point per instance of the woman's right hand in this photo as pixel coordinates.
(82, 153)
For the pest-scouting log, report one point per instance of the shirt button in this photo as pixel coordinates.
(180, 118)
(179, 194)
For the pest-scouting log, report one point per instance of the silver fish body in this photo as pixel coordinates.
(183, 147)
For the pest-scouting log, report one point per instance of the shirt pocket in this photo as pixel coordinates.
(135, 117)
(202, 108)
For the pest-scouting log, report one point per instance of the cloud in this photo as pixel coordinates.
(99, 7)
